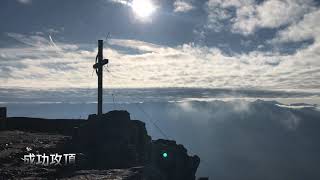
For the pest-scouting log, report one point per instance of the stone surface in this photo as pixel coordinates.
(106, 148)
(176, 163)
(114, 141)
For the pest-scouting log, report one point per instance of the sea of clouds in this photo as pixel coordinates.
(238, 134)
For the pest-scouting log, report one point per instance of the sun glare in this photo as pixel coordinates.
(143, 8)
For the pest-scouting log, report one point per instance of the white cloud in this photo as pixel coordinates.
(248, 15)
(182, 6)
(187, 65)
(307, 28)
(217, 15)
(124, 2)
(307, 58)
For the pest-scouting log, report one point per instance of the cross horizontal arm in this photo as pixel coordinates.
(104, 62)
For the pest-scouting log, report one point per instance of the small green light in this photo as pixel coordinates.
(164, 155)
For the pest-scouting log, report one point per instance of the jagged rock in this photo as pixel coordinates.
(114, 141)
(172, 160)
(106, 148)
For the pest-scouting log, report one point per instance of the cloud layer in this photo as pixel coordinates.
(182, 6)
(37, 63)
(253, 140)
(246, 16)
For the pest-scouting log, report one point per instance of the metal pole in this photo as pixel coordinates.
(100, 76)
(98, 66)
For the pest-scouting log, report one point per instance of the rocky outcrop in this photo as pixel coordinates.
(171, 161)
(115, 141)
(108, 147)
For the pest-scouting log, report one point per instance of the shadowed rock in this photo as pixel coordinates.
(110, 147)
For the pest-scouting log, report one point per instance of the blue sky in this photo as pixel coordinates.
(184, 43)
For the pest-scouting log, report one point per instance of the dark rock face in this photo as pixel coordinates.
(110, 147)
(172, 161)
(115, 141)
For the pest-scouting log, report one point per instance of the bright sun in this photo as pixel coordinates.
(143, 8)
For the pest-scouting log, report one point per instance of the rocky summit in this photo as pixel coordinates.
(108, 147)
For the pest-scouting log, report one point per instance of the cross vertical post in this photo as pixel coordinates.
(100, 76)
(98, 66)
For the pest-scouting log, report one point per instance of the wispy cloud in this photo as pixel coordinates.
(54, 44)
(186, 65)
(124, 2)
(307, 28)
(182, 6)
(246, 16)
